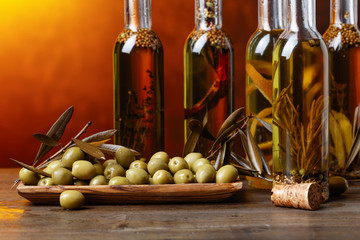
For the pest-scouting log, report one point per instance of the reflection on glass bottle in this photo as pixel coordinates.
(343, 41)
(271, 23)
(208, 71)
(300, 101)
(138, 82)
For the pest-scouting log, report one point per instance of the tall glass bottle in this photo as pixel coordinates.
(301, 101)
(208, 71)
(138, 82)
(272, 19)
(343, 41)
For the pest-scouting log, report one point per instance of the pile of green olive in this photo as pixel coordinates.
(124, 169)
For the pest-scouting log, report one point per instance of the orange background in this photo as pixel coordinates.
(54, 54)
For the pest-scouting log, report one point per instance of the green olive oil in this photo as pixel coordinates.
(259, 53)
(300, 112)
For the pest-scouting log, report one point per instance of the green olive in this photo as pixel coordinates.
(109, 162)
(177, 163)
(113, 170)
(98, 180)
(118, 180)
(338, 185)
(71, 199)
(71, 155)
(198, 163)
(138, 164)
(53, 165)
(162, 155)
(62, 176)
(99, 168)
(162, 177)
(192, 157)
(156, 164)
(184, 176)
(83, 170)
(79, 182)
(46, 181)
(137, 176)
(28, 177)
(151, 181)
(227, 174)
(124, 157)
(205, 174)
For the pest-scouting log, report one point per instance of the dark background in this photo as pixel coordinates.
(54, 54)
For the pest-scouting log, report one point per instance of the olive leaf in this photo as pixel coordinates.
(355, 148)
(246, 147)
(266, 125)
(45, 139)
(31, 168)
(229, 131)
(355, 126)
(205, 119)
(100, 136)
(110, 149)
(206, 134)
(99, 143)
(254, 153)
(245, 171)
(220, 157)
(265, 164)
(89, 149)
(230, 120)
(241, 161)
(196, 130)
(56, 131)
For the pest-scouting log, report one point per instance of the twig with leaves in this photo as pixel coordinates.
(221, 152)
(93, 145)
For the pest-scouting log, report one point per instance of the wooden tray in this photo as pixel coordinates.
(169, 193)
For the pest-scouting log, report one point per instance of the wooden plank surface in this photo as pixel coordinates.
(247, 215)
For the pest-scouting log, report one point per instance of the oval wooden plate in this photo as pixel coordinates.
(169, 193)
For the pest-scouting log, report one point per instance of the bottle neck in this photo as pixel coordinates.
(137, 14)
(344, 12)
(208, 14)
(302, 14)
(272, 14)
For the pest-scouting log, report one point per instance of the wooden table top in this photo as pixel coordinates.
(249, 215)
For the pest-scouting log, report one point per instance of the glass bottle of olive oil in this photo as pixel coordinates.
(208, 71)
(272, 20)
(138, 82)
(301, 101)
(343, 42)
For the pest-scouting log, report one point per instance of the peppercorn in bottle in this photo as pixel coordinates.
(208, 71)
(343, 41)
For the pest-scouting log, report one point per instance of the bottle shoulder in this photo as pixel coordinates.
(296, 47)
(218, 38)
(261, 42)
(342, 36)
(145, 38)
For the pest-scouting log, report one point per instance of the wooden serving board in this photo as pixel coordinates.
(120, 194)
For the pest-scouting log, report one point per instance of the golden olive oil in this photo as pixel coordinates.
(208, 82)
(138, 91)
(343, 42)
